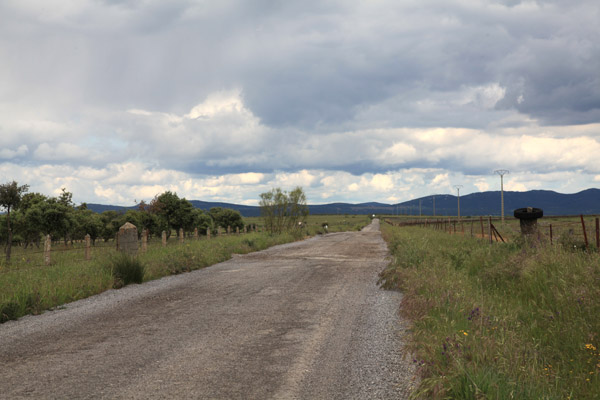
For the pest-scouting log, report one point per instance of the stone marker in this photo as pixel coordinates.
(228, 229)
(88, 248)
(145, 240)
(128, 239)
(237, 230)
(47, 249)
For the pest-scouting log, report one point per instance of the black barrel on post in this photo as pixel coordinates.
(528, 219)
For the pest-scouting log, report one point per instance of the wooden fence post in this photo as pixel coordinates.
(584, 231)
(47, 249)
(196, 233)
(551, 235)
(482, 232)
(88, 248)
(208, 233)
(490, 227)
(181, 235)
(164, 238)
(597, 234)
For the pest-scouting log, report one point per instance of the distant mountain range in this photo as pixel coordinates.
(483, 203)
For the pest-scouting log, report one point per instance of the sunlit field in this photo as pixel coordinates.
(28, 286)
(502, 320)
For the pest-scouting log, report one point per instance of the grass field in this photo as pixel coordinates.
(551, 229)
(498, 321)
(335, 223)
(29, 287)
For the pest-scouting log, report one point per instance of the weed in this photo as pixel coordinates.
(126, 269)
(9, 310)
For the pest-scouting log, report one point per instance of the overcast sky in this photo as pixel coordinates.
(355, 101)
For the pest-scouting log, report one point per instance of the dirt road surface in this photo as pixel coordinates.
(304, 320)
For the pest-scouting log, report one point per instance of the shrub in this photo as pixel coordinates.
(8, 311)
(126, 269)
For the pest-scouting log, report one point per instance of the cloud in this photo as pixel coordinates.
(222, 100)
(8, 154)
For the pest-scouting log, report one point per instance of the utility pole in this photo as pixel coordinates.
(458, 197)
(502, 172)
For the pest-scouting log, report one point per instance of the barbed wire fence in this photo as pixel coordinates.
(578, 231)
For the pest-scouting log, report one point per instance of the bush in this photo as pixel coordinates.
(8, 311)
(125, 270)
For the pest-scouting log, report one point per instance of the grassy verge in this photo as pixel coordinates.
(28, 288)
(500, 321)
(32, 290)
(315, 224)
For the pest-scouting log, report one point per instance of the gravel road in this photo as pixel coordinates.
(304, 320)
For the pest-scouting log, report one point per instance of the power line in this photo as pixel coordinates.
(458, 198)
(502, 172)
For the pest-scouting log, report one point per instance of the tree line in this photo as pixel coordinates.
(30, 216)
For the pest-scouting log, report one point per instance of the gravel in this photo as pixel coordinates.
(304, 320)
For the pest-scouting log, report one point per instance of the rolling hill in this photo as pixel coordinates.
(482, 203)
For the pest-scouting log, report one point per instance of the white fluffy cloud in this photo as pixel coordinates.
(354, 101)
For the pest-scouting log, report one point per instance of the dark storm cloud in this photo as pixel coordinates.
(354, 89)
(312, 64)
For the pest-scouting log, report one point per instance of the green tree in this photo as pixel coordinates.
(202, 221)
(110, 220)
(30, 218)
(57, 217)
(173, 212)
(147, 219)
(164, 206)
(226, 217)
(282, 211)
(184, 216)
(86, 222)
(10, 198)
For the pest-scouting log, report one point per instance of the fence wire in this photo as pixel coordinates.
(578, 231)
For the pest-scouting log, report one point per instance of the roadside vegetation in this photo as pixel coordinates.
(26, 290)
(501, 321)
(27, 286)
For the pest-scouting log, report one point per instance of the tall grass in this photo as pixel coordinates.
(32, 290)
(498, 321)
(27, 287)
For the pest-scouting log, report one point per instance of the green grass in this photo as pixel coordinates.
(126, 269)
(335, 223)
(29, 287)
(498, 321)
